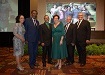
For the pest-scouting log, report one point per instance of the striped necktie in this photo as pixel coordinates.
(34, 22)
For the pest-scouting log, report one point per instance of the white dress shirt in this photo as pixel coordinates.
(67, 26)
(79, 22)
(34, 21)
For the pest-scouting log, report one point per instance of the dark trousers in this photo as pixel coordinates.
(81, 48)
(46, 50)
(32, 50)
(70, 50)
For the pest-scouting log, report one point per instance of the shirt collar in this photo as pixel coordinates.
(46, 22)
(68, 23)
(80, 20)
(33, 19)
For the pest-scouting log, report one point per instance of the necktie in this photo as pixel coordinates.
(47, 25)
(34, 22)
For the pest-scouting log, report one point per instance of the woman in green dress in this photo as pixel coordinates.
(59, 50)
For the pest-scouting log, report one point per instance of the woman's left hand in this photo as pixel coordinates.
(61, 42)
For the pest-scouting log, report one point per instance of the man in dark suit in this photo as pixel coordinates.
(45, 34)
(70, 39)
(83, 37)
(32, 37)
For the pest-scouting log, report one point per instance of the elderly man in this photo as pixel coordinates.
(70, 39)
(83, 37)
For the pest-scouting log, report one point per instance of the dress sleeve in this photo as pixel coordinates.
(63, 31)
(15, 29)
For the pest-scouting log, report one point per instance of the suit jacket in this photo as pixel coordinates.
(32, 31)
(84, 31)
(71, 34)
(45, 34)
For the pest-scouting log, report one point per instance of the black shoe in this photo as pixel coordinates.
(81, 65)
(50, 62)
(78, 62)
(36, 64)
(32, 67)
(70, 63)
(66, 63)
(44, 64)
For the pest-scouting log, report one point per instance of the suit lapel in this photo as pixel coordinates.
(46, 26)
(81, 23)
(69, 27)
(31, 21)
(37, 23)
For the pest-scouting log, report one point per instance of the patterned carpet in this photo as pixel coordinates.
(95, 66)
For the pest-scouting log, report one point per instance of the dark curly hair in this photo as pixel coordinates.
(56, 16)
(17, 18)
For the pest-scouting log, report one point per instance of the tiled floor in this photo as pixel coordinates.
(95, 66)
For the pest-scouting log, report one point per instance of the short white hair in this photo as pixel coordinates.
(81, 13)
(69, 17)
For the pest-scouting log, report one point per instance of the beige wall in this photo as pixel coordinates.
(40, 6)
(100, 15)
(33, 4)
(41, 9)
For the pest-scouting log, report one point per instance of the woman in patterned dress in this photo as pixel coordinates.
(18, 40)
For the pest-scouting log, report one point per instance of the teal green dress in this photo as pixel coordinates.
(58, 51)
